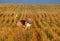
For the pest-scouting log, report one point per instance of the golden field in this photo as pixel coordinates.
(45, 22)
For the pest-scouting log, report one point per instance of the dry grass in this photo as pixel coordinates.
(45, 22)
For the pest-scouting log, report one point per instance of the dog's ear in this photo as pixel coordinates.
(30, 19)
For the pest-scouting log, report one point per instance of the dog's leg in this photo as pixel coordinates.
(27, 26)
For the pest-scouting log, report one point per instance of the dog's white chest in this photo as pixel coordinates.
(28, 25)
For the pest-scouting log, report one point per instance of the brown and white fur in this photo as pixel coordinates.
(27, 24)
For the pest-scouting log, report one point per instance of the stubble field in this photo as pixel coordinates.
(45, 22)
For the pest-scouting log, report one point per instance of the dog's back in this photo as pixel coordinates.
(23, 22)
